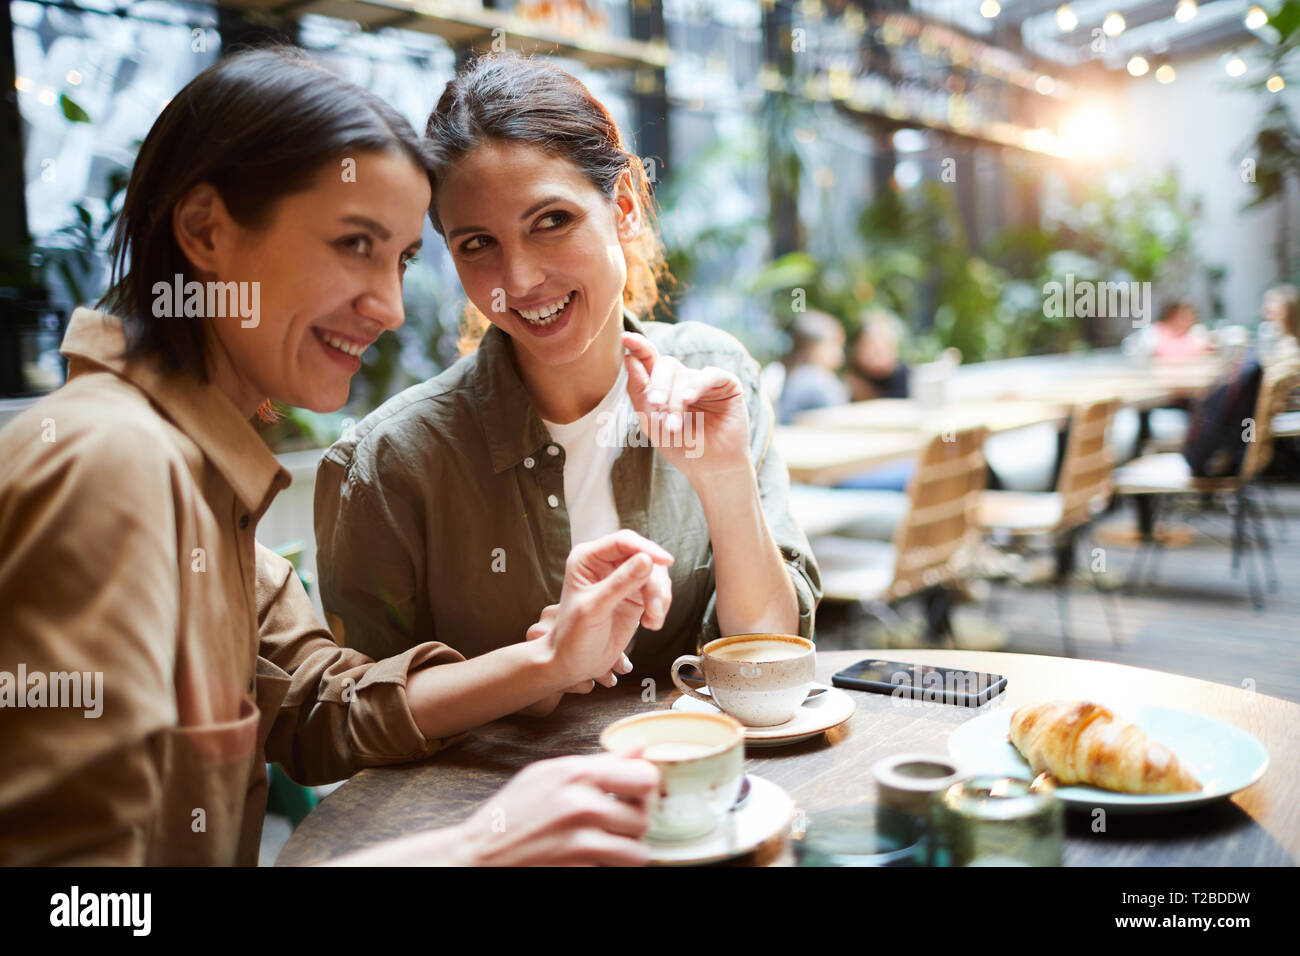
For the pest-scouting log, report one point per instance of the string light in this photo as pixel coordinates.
(1256, 17)
(1186, 10)
(989, 9)
(1065, 18)
(1138, 66)
(1275, 84)
(1114, 24)
(1236, 66)
(1165, 73)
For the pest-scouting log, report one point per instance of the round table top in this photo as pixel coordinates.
(1258, 826)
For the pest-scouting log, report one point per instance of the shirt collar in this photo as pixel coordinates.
(511, 424)
(201, 411)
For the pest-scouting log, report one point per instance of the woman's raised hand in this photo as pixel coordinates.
(695, 417)
(611, 587)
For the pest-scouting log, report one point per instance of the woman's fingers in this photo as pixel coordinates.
(657, 597)
(662, 371)
(642, 349)
(614, 549)
(627, 579)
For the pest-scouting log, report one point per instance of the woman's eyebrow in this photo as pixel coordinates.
(524, 215)
(538, 205)
(365, 222)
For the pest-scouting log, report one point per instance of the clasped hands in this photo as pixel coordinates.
(612, 586)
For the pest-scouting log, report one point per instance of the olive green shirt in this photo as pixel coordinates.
(442, 517)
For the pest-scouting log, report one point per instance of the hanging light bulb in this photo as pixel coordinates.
(1186, 10)
(1065, 18)
(1256, 17)
(1165, 73)
(990, 9)
(1114, 24)
(1235, 66)
(1138, 66)
(1275, 84)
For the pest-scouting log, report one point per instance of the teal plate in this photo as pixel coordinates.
(1224, 758)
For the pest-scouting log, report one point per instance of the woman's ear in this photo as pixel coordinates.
(629, 208)
(201, 224)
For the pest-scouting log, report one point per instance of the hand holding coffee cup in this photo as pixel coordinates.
(760, 679)
(701, 764)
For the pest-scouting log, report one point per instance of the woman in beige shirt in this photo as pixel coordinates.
(154, 655)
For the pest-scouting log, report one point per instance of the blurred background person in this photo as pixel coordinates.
(1280, 328)
(875, 368)
(1178, 335)
(816, 355)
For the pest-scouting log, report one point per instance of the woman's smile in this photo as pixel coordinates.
(344, 350)
(548, 317)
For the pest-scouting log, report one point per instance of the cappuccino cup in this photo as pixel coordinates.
(701, 764)
(760, 679)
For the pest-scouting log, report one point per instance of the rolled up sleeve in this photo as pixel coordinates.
(339, 710)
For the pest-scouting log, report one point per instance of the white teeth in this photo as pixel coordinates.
(547, 315)
(343, 346)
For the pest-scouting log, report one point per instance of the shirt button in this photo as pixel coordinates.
(243, 521)
(552, 450)
(553, 501)
(528, 463)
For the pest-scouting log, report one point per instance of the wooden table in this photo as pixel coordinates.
(908, 415)
(823, 456)
(1259, 826)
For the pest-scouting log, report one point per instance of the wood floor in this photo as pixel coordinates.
(1196, 616)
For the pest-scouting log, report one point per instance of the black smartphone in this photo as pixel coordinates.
(923, 682)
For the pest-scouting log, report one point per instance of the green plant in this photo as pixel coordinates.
(73, 257)
(1272, 157)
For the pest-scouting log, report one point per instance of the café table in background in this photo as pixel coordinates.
(1259, 826)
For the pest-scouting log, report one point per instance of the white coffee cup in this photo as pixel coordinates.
(701, 764)
(760, 679)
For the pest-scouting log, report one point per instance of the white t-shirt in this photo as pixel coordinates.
(591, 446)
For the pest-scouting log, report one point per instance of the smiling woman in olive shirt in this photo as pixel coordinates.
(449, 513)
(129, 499)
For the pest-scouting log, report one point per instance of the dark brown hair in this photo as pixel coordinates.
(511, 98)
(259, 126)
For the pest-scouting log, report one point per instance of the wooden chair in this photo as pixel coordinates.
(1168, 477)
(928, 550)
(1083, 489)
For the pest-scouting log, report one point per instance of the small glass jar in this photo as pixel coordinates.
(863, 836)
(1002, 821)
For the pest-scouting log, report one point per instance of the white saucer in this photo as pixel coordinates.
(766, 814)
(816, 716)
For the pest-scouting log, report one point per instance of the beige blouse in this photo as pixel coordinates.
(128, 504)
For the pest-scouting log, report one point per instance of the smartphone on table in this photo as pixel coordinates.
(924, 682)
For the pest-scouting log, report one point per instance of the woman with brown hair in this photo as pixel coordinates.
(449, 515)
(261, 248)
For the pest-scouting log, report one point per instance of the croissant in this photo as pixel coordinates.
(1083, 742)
